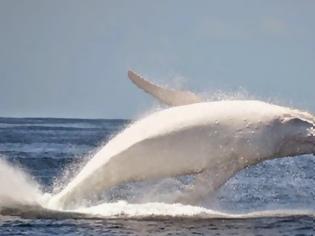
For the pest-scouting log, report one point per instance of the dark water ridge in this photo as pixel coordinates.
(55, 121)
(275, 197)
(76, 226)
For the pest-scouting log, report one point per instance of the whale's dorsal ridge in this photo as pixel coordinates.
(167, 96)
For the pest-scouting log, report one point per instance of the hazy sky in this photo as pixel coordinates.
(70, 58)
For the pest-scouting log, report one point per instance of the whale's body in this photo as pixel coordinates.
(217, 138)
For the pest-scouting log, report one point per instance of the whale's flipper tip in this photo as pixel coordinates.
(167, 96)
(138, 80)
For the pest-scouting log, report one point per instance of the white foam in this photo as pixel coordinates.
(155, 209)
(17, 188)
(20, 195)
(123, 209)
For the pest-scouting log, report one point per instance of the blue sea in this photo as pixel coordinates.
(273, 198)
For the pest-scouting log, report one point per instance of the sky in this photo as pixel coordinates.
(69, 58)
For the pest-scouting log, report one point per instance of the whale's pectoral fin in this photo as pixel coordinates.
(168, 96)
(206, 184)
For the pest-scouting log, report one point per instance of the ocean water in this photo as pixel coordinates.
(273, 198)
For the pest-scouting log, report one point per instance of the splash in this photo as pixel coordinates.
(157, 210)
(17, 187)
(21, 195)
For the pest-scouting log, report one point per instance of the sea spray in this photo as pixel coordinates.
(70, 170)
(220, 95)
(17, 187)
(165, 190)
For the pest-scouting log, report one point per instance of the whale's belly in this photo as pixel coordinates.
(185, 140)
(178, 153)
(185, 151)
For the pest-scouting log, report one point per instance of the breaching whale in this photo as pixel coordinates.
(212, 139)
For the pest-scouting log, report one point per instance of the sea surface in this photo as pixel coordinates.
(273, 198)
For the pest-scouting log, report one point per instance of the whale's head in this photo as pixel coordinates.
(296, 134)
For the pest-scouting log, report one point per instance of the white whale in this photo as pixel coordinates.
(212, 139)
